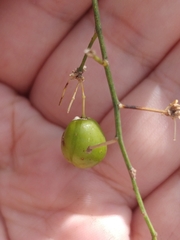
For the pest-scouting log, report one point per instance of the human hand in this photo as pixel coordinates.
(44, 197)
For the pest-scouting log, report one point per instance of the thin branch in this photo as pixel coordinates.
(81, 67)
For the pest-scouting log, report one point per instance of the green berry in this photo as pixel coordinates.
(77, 137)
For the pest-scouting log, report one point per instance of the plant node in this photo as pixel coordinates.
(91, 53)
(78, 75)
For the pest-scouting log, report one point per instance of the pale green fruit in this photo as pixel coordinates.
(77, 137)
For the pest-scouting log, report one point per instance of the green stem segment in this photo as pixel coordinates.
(118, 120)
(81, 67)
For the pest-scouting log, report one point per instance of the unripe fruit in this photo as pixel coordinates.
(77, 137)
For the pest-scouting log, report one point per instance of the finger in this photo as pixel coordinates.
(30, 31)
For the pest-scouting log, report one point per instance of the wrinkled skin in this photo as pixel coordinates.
(41, 195)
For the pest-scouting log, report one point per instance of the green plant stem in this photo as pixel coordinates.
(81, 67)
(118, 120)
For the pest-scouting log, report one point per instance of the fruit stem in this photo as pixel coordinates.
(83, 101)
(81, 67)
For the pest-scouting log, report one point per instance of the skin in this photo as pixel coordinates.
(41, 195)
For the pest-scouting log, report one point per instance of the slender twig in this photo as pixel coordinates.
(142, 108)
(81, 67)
(112, 141)
(172, 110)
(118, 120)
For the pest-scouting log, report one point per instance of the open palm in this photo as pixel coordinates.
(42, 196)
